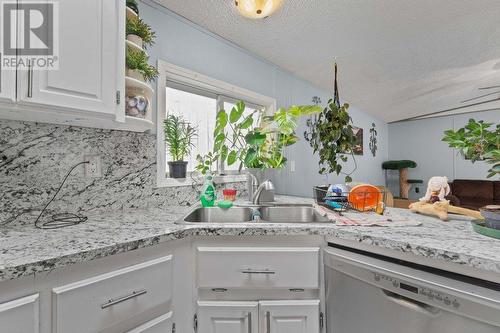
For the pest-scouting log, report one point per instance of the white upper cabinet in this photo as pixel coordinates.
(91, 44)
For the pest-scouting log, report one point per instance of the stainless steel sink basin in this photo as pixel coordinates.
(275, 214)
(291, 214)
(219, 215)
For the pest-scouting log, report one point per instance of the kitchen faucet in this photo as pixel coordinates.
(266, 185)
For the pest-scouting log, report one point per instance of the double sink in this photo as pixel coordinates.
(258, 214)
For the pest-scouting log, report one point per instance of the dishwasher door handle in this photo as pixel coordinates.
(411, 303)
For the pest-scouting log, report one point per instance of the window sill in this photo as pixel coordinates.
(176, 182)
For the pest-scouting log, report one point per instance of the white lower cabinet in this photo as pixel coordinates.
(162, 324)
(227, 317)
(287, 316)
(20, 315)
(98, 303)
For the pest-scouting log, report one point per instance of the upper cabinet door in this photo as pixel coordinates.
(90, 46)
(227, 317)
(289, 316)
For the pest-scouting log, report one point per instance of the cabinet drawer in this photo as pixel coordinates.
(162, 324)
(258, 267)
(20, 315)
(94, 304)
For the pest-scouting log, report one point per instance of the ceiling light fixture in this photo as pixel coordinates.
(257, 9)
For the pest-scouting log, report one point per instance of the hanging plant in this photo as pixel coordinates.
(373, 140)
(331, 135)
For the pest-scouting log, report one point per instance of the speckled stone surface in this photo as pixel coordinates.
(35, 157)
(26, 250)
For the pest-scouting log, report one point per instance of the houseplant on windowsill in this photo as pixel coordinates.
(179, 136)
(255, 141)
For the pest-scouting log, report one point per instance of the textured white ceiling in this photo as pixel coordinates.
(397, 58)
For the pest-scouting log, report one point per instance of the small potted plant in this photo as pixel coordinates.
(132, 4)
(179, 136)
(139, 33)
(138, 66)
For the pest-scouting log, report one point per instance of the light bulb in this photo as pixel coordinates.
(257, 9)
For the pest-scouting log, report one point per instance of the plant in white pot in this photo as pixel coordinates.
(139, 32)
(138, 66)
(179, 136)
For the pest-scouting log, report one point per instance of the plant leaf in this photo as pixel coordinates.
(221, 122)
(232, 157)
(255, 138)
(237, 112)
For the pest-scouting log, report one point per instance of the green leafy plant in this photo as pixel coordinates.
(179, 136)
(132, 4)
(331, 135)
(253, 141)
(138, 60)
(139, 28)
(477, 142)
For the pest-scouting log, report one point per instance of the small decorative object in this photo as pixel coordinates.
(357, 149)
(402, 166)
(365, 197)
(441, 209)
(491, 214)
(332, 136)
(179, 136)
(137, 106)
(257, 9)
(316, 100)
(437, 189)
(139, 32)
(476, 142)
(373, 140)
(229, 194)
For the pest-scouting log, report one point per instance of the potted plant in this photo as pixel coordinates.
(132, 4)
(139, 33)
(476, 142)
(254, 141)
(331, 135)
(138, 66)
(179, 136)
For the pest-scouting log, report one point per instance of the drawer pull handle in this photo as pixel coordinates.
(268, 321)
(258, 271)
(249, 322)
(124, 298)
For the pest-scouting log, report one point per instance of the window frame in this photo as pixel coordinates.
(172, 74)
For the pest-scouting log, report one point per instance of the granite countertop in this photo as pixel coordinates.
(26, 250)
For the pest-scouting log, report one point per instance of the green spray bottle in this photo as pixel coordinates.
(208, 195)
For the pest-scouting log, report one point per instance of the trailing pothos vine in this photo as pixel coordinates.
(330, 134)
(255, 140)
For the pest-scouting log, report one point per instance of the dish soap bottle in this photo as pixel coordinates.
(208, 195)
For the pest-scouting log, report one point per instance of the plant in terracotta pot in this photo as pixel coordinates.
(139, 32)
(138, 66)
(254, 141)
(179, 136)
(331, 135)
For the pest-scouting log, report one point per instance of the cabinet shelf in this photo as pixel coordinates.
(134, 84)
(131, 14)
(135, 47)
(138, 124)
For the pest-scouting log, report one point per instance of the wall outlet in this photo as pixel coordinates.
(93, 169)
(292, 166)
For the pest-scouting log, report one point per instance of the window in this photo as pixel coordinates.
(197, 99)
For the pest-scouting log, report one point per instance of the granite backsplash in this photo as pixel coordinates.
(35, 157)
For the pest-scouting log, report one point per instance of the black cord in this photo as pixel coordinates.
(61, 220)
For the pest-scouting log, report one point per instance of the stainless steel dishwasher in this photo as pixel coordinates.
(371, 294)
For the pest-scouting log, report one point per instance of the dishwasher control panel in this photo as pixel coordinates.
(431, 295)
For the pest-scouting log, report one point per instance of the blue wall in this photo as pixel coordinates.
(187, 45)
